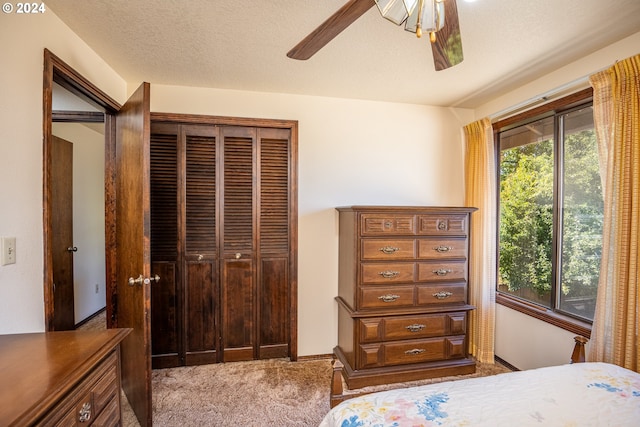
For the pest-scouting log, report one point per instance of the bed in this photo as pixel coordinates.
(577, 394)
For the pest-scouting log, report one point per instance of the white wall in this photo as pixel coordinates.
(350, 152)
(521, 340)
(88, 217)
(23, 39)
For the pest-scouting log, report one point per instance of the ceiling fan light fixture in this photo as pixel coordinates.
(396, 11)
(429, 16)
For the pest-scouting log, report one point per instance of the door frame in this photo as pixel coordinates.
(57, 71)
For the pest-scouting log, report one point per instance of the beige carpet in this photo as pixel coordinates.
(263, 393)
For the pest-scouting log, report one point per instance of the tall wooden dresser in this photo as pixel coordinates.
(403, 295)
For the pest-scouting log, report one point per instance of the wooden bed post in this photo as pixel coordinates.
(578, 355)
(336, 383)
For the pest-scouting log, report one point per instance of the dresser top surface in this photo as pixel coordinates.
(36, 369)
(416, 209)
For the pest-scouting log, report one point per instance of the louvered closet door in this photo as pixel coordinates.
(165, 314)
(200, 244)
(238, 244)
(274, 200)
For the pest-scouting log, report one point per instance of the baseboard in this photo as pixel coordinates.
(86, 320)
(315, 357)
(505, 363)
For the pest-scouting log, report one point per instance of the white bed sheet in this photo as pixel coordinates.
(581, 394)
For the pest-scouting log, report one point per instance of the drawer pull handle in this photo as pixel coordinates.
(442, 224)
(416, 327)
(442, 271)
(442, 249)
(388, 298)
(389, 274)
(389, 250)
(415, 351)
(442, 294)
(84, 414)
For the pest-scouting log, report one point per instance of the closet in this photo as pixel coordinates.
(223, 239)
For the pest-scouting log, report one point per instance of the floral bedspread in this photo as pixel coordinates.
(581, 394)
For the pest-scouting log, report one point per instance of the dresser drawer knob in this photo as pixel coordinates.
(388, 297)
(84, 414)
(389, 274)
(389, 250)
(442, 271)
(416, 327)
(442, 224)
(442, 294)
(415, 351)
(442, 248)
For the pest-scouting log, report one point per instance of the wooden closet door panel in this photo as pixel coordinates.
(238, 296)
(238, 332)
(166, 323)
(238, 195)
(274, 308)
(164, 316)
(200, 324)
(200, 243)
(274, 238)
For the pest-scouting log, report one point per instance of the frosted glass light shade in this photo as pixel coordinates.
(430, 17)
(396, 11)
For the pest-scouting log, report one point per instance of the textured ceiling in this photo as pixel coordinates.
(242, 44)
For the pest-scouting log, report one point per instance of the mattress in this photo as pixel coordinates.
(581, 394)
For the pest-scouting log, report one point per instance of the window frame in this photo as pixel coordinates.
(548, 315)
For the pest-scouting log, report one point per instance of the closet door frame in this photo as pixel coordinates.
(292, 126)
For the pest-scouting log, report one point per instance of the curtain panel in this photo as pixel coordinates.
(616, 103)
(480, 192)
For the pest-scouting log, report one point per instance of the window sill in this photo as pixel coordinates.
(565, 322)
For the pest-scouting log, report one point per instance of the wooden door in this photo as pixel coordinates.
(238, 278)
(62, 234)
(200, 244)
(166, 296)
(133, 249)
(274, 289)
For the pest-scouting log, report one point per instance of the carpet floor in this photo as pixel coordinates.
(261, 393)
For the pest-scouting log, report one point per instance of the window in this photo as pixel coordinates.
(551, 208)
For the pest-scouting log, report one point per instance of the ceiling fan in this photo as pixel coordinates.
(446, 43)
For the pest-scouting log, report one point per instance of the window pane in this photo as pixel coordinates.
(582, 211)
(526, 211)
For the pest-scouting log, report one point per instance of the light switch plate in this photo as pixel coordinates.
(8, 250)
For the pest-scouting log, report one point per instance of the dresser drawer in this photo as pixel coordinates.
(442, 271)
(380, 273)
(445, 224)
(410, 351)
(454, 293)
(90, 398)
(414, 351)
(402, 327)
(372, 224)
(442, 248)
(392, 328)
(386, 296)
(382, 249)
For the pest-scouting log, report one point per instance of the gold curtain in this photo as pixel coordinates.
(616, 104)
(480, 192)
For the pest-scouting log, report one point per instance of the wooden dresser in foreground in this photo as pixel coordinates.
(403, 294)
(69, 378)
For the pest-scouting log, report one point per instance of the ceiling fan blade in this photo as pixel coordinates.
(447, 49)
(330, 28)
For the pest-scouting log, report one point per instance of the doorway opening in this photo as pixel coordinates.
(83, 113)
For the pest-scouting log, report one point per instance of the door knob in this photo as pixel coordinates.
(146, 280)
(72, 249)
(238, 255)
